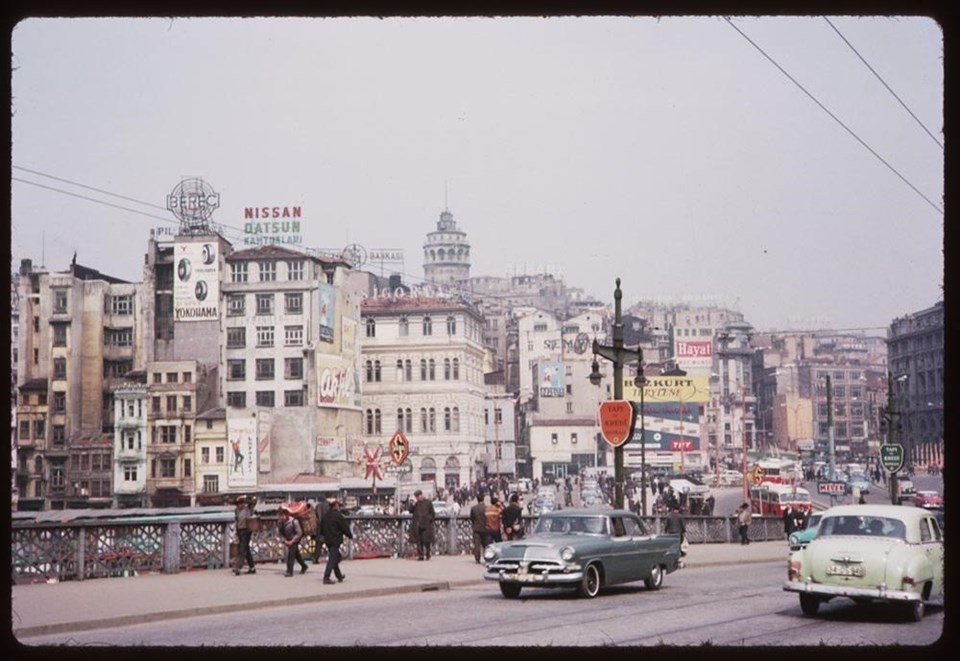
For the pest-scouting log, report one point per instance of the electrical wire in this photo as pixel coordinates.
(883, 82)
(834, 117)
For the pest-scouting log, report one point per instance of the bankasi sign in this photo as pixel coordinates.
(617, 419)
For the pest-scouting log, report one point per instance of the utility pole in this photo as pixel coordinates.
(618, 355)
(830, 440)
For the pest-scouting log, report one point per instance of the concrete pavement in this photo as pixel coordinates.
(46, 608)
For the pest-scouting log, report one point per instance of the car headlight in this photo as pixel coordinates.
(567, 554)
(491, 552)
(794, 540)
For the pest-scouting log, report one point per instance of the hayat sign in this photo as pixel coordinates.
(272, 225)
(693, 353)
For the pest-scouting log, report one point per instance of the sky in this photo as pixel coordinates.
(791, 168)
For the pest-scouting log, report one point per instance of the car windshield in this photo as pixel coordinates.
(572, 525)
(872, 526)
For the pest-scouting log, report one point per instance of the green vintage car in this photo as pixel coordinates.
(583, 549)
(800, 538)
(871, 553)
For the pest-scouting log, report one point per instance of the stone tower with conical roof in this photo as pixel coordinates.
(446, 254)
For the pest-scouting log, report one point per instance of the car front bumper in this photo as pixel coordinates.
(534, 573)
(829, 590)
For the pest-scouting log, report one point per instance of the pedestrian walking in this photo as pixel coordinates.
(322, 508)
(492, 516)
(675, 525)
(334, 528)
(512, 518)
(744, 517)
(292, 533)
(478, 522)
(242, 516)
(789, 521)
(422, 524)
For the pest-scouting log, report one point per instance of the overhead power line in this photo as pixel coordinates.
(832, 116)
(883, 82)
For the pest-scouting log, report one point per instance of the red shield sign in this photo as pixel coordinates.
(617, 419)
(399, 447)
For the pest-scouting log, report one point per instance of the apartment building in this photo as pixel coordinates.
(130, 435)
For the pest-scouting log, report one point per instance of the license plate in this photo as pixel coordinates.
(846, 570)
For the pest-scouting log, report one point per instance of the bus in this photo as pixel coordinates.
(772, 499)
(778, 471)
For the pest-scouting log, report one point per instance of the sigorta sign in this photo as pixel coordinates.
(617, 420)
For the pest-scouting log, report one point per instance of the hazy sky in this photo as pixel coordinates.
(671, 153)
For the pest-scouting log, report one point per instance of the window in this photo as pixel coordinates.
(264, 336)
(371, 327)
(59, 368)
(423, 369)
(155, 405)
(293, 303)
(39, 429)
(423, 420)
(451, 325)
(171, 403)
(118, 337)
(188, 377)
(498, 416)
(236, 337)
(219, 454)
(264, 303)
(537, 328)
(211, 484)
(372, 419)
(237, 400)
(268, 271)
(59, 435)
(168, 468)
(573, 438)
(116, 368)
(399, 370)
(447, 419)
(456, 369)
(238, 272)
(59, 402)
(121, 305)
(42, 398)
(60, 335)
(446, 369)
(431, 420)
(236, 305)
(187, 434)
(293, 398)
(404, 326)
(157, 377)
(293, 368)
(432, 369)
(376, 371)
(295, 270)
(187, 402)
(427, 326)
(407, 370)
(405, 420)
(130, 473)
(168, 433)
(293, 336)
(265, 369)
(265, 398)
(60, 301)
(172, 377)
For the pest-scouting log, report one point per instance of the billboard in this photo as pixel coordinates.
(550, 379)
(264, 424)
(325, 311)
(331, 449)
(196, 282)
(669, 389)
(338, 382)
(242, 435)
(693, 354)
(271, 225)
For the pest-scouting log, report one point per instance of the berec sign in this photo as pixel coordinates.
(617, 420)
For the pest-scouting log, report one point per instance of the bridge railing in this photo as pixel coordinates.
(43, 551)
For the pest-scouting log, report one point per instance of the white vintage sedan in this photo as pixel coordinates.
(871, 553)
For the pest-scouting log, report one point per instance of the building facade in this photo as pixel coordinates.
(446, 253)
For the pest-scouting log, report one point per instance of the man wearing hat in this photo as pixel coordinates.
(242, 515)
(334, 527)
(322, 508)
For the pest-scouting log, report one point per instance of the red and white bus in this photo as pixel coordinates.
(772, 499)
(777, 471)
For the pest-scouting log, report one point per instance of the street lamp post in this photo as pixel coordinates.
(618, 355)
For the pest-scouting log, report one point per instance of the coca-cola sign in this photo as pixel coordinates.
(339, 383)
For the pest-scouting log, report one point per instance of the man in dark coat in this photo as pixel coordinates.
(512, 518)
(334, 527)
(422, 524)
(242, 515)
(478, 523)
(322, 508)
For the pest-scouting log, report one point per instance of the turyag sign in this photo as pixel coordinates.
(617, 419)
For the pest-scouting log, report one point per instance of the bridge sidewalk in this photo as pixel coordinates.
(46, 608)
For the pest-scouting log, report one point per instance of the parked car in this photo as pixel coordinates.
(929, 499)
(800, 538)
(729, 478)
(871, 553)
(591, 498)
(542, 504)
(583, 549)
(906, 487)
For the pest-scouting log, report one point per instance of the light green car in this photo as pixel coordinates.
(871, 553)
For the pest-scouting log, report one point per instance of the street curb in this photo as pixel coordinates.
(126, 620)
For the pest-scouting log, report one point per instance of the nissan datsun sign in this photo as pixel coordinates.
(617, 419)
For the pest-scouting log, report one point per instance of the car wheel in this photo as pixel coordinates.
(590, 583)
(915, 610)
(656, 578)
(809, 604)
(510, 590)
